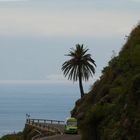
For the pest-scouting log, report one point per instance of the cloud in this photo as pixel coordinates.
(12, 0)
(28, 82)
(137, 1)
(47, 22)
(50, 79)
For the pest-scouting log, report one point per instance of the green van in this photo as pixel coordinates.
(71, 126)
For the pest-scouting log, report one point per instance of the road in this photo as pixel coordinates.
(62, 137)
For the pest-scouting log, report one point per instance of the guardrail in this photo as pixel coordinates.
(44, 121)
(47, 125)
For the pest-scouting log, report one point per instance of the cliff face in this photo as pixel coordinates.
(111, 110)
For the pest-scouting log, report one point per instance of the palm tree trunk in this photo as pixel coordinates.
(80, 83)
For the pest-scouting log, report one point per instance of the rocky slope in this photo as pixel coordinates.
(111, 110)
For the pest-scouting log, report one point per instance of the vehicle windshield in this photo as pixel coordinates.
(69, 123)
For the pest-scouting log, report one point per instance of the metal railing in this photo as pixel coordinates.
(46, 125)
(32, 121)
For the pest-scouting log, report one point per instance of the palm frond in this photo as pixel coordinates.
(79, 59)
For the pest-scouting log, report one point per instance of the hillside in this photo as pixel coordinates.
(111, 110)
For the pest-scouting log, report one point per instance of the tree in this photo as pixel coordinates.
(80, 66)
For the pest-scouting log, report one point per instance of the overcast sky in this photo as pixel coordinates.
(36, 34)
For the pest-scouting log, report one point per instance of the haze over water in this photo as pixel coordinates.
(39, 100)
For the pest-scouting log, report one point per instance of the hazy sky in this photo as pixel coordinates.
(36, 34)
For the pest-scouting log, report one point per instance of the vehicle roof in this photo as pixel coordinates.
(71, 119)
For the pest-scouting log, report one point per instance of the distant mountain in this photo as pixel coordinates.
(111, 110)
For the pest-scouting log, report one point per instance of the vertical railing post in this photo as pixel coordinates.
(47, 125)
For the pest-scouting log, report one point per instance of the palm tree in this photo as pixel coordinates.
(80, 66)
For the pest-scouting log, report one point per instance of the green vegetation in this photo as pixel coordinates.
(28, 133)
(18, 136)
(111, 110)
(80, 66)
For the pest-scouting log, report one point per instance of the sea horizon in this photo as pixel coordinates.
(40, 101)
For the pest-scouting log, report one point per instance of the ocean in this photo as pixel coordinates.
(40, 101)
